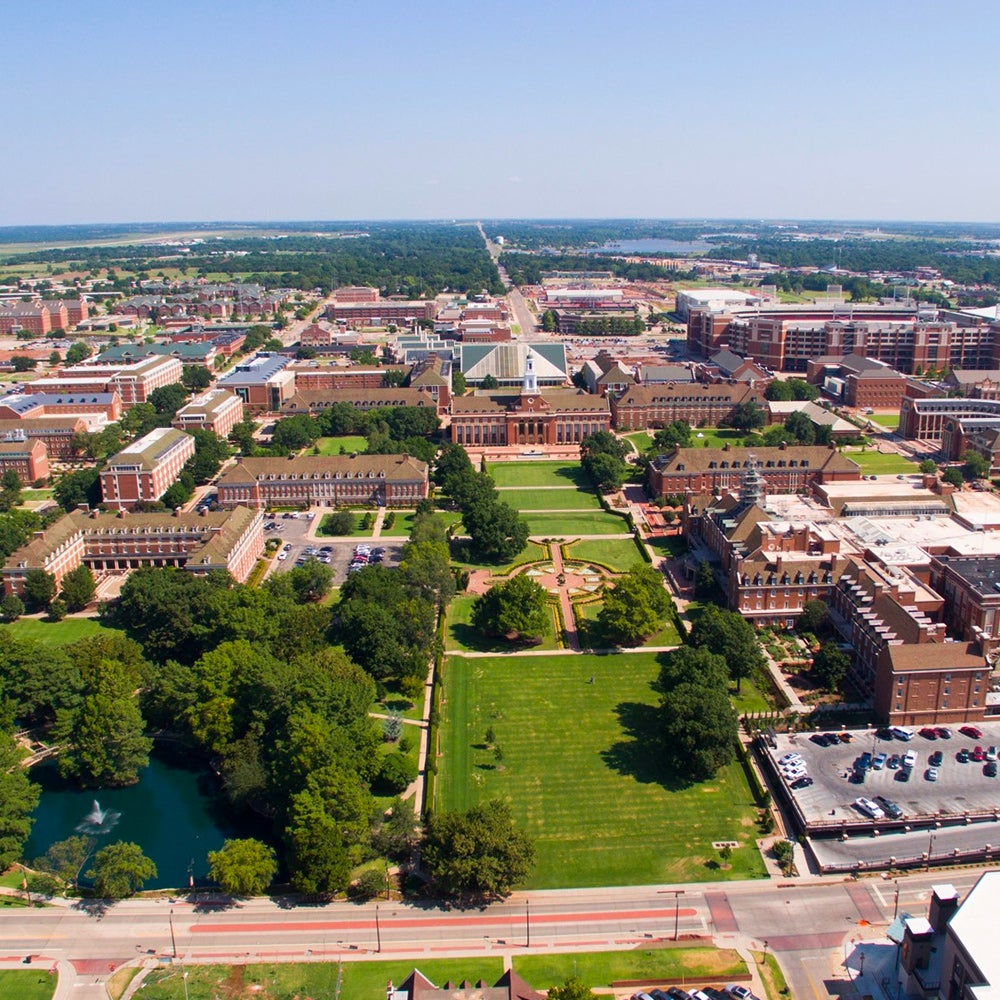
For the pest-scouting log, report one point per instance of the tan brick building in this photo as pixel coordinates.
(643, 406)
(146, 468)
(216, 410)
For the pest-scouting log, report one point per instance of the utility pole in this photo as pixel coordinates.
(378, 932)
(173, 940)
(527, 923)
(677, 909)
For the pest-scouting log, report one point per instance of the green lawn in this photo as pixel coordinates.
(358, 980)
(890, 420)
(55, 633)
(715, 437)
(880, 464)
(575, 731)
(602, 968)
(619, 554)
(750, 698)
(532, 552)
(538, 474)
(459, 634)
(350, 443)
(358, 532)
(403, 524)
(641, 440)
(569, 525)
(668, 546)
(550, 499)
(28, 495)
(16, 984)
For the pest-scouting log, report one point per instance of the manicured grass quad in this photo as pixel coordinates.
(532, 552)
(619, 554)
(571, 525)
(577, 768)
(349, 442)
(521, 474)
(593, 638)
(549, 499)
(403, 524)
(55, 633)
(460, 635)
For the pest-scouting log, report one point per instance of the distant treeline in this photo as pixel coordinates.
(527, 269)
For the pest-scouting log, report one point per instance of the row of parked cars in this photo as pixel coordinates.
(792, 767)
(365, 555)
(733, 991)
(881, 807)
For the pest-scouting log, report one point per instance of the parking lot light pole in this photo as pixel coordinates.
(677, 909)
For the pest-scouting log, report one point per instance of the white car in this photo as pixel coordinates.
(910, 758)
(789, 758)
(869, 808)
(794, 773)
(282, 556)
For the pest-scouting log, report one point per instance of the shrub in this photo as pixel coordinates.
(396, 773)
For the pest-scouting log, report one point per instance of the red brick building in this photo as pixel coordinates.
(68, 404)
(381, 313)
(864, 382)
(786, 469)
(325, 481)
(643, 406)
(970, 586)
(232, 541)
(31, 317)
(316, 400)
(131, 382)
(56, 433)
(356, 293)
(29, 458)
(339, 377)
(146, 468)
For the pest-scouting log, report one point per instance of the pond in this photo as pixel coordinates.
(176, 814)
(654, 245)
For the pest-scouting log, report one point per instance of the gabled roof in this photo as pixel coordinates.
(507, 361)
(727, 361)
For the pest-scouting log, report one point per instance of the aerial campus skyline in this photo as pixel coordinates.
(329, 110)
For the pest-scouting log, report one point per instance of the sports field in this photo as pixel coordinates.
(578, 768)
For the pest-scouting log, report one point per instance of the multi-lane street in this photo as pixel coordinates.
(805, 922)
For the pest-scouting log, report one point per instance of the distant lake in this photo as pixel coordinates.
(652, 246)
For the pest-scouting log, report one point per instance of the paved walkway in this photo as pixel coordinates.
(570, 631)
(379, 521)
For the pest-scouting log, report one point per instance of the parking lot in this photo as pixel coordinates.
(298, 542)
(960, 788)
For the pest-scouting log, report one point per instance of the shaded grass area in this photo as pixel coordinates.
(461, 635)
(575, 731)
(668, 546)
(750, 698)
(349, 442)
(879, 463)
(641, 440)
(538, 474)
(592, 635)
(36, 984)
(357, 531)
(602, 968)
(620, 554)
(55, 633)
(568, 525)
(403, 524)
(569, 499)
(357, 980)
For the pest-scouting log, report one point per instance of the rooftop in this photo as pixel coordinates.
(258, 369)
(974, 925)
(150, 447)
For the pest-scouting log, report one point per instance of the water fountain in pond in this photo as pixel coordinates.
(98, 821)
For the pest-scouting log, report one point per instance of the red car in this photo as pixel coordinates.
(929, 733)
(979, 754)
(972, 732)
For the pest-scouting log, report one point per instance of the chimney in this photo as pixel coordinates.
(944, 905)
(177, 512)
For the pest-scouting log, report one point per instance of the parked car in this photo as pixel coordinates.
(902, 733)
(910, 758)
(676, 993)
(978, 755)
(865, 761)
(972, 732)
(894, 762)
(990, 769)
(889, 807)
(789, 757)
(903, 774)
(869, 808)
(929, 733)
(804, 782)
(931, 774)
(991, 752)
(282, 555)
(878, 761)
(936, 759)
(846, 738)
(963, 756)
(740, 992)
(944, 732)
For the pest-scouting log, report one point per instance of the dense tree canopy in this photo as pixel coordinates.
(243, 867)
(515, 609)
(634, 607)
(120, 870)
(730, 635)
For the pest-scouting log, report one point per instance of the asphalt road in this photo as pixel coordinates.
(807, 923)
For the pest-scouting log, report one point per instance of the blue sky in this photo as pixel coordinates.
(291, 109)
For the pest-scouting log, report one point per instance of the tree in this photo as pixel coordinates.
(65, 859)
(10, 490)
(953, 476)
(634, 607)
(120, 870)
(497, 532)
(801, 427)
(396, 773)
(76, 488)
(747, 416)
(698, 728)
(104, 735)
(478, 853)
(675, 435)
(779, 390)
(814, 618)
(39, 589)
(22, 363)
(830, 665)
(294, 433)
(11, 608)
(243, 867)
(78, 352)
(196, 378)
(730, 635)
(803, 390)
(489, 382)
(311, 581)
(54, 359)
(458, 384)
(318, 863)
(928, 465)
(608, 472)
(515, 609)
(339, 523)
(704, 580)
(976, 466)
(168, 399)
(78, 588)
(572, 989)
(18, 798)
(426, 567)
(603, 443)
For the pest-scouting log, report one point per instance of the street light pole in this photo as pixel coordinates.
(173, 940)
(378, 932)
(527, 923)
(677, 910)
(895, 905)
